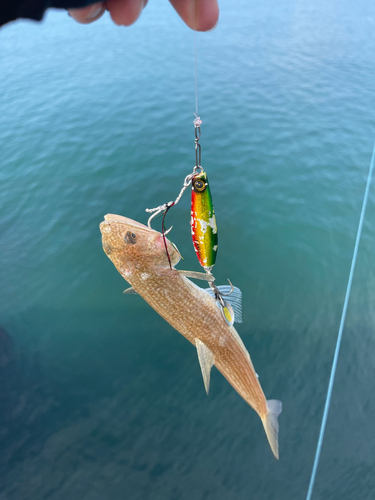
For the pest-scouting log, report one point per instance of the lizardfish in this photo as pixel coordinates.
(139, 255)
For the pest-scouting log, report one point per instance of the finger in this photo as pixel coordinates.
(125, 12)
(88, 14)
(201, 15)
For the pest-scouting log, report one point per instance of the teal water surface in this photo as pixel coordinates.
(100, 398)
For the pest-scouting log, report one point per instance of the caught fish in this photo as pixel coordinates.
(139, 255)
(203, 221)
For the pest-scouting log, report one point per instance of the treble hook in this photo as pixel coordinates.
(218, 295)
(226, 308)
(231, 291)
(214, 288)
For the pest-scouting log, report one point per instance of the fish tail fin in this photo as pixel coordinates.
(271, 424)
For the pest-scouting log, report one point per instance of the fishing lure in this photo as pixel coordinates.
(203, 221)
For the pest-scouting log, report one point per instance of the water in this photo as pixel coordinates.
(100, 397)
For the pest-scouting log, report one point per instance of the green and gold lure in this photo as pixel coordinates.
(203, 221)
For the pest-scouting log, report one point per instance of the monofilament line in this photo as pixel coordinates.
(195, 62)
(341, 328)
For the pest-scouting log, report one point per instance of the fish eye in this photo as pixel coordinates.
(130, 237)
(199, 185)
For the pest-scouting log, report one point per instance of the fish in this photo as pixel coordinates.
(139, 255)
(203, 221)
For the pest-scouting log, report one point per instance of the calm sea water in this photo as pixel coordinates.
(100, 398)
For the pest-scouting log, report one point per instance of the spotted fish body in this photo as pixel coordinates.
(203, 221)
(139, 255)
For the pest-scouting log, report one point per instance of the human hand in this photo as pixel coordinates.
(126, 12)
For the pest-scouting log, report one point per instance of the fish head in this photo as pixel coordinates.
(131, 244)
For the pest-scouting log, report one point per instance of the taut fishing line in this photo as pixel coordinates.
(195, 65)
(202, 220)
(341, 328)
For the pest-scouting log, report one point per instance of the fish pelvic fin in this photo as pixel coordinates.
(206, 361)
(271, 424)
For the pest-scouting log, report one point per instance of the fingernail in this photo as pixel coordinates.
(95, 12)
(217, 22)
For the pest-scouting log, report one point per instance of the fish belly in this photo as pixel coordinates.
(195, 315)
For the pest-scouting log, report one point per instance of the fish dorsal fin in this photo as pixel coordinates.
(130, 291)
(234, 299)
(206, 360)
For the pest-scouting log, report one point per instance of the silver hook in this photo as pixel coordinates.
(231, 291)
(161, 208)
(218, 295)
(158, 210)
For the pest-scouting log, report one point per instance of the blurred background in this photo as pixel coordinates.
(100, 397)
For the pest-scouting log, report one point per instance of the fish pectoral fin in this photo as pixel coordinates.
(234, 300)
(196, 275)
(206, 360)
(130, 291)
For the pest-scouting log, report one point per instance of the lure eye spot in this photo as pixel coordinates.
(199, 185)
(130, 238)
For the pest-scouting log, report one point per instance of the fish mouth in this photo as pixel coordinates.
(119, 219)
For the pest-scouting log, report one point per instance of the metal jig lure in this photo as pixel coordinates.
(203, 220)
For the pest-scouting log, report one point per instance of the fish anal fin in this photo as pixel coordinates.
(206, 361)
(271, 424)
(130, 291)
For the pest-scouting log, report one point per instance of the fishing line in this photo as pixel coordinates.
(341, 328)
(164, 235)
(195, 61)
